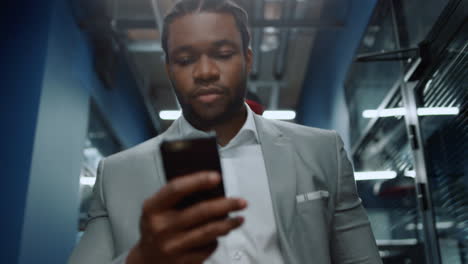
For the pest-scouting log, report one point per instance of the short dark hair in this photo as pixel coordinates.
(185, 7)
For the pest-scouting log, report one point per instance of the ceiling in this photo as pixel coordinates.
(283, 34)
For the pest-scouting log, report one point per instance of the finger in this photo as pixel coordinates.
(208, 210)
(203, 235)
(180, 187)
(199, 255)
(173, 221)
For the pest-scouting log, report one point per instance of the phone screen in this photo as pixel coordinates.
(186, 156)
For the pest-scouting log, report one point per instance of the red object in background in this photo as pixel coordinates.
(256, 107)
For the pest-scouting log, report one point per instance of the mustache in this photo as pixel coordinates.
(212, 89)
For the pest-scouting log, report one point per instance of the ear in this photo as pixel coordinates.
(249, 59)
(166, 67)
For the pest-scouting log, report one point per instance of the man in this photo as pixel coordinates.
(299, 202)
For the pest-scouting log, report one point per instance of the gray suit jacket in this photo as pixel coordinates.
(318, 213)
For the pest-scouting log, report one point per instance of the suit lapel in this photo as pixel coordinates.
(281, 171)
(278, 155)
(172, 131)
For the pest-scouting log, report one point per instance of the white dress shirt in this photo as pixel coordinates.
(244, 176)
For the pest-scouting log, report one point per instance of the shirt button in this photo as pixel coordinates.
(237, 255)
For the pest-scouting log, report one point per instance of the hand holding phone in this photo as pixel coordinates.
(175, 227)
(186, 156)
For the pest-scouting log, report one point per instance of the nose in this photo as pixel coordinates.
(205, 70)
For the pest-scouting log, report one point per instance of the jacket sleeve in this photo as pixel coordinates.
(96, 245)
(352, 238)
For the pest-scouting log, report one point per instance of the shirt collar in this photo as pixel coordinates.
(246, 135)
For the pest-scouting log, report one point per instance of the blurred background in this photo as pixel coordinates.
(83, 79)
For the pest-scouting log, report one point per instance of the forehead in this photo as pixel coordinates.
(205, 28)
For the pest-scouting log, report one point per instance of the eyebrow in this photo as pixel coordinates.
(225, 42)
(186, 48)
(216, 44)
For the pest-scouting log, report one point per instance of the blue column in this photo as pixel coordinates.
(24, 26)
(322, 100)
(47, 79)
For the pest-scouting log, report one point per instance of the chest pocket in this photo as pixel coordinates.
(312, 202)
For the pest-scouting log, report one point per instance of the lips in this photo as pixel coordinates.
(208, 95)
(207, 91)
(208, 98)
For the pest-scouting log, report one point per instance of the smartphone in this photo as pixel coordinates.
(185, 156)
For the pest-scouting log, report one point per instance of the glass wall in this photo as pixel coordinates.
(445, 140)
(416, 18)
(369, 82)
(406, 97)
(389, 193)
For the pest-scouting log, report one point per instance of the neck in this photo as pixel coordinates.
(228, 130)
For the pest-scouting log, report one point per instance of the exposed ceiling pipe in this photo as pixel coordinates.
(115, 14)
(159, 26)
(157, 14)
(279, 67)
(142, 85)
(274, 95)
(257, 37)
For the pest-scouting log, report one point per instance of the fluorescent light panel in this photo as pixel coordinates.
(383, 113)
(170, 115)
(374, 175)
(281, 115)
(439, 225)
(88, 181)
(428, 111)
(438, 111)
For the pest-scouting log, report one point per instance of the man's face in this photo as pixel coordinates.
(207, 67)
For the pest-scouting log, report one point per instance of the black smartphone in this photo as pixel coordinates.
(185, 156)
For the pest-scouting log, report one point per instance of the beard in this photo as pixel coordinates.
(209, 117)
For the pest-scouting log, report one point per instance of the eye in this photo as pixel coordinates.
(224, 55)
(184, 61)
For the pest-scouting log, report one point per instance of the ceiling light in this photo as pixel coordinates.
(428, 111)
(439, 225)
(145, 46)
(270, 30)
(170, 114)
(383, 113)
(280, 115)
(374, 175)
(410, 173)
(88, 181)
(438, 111)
